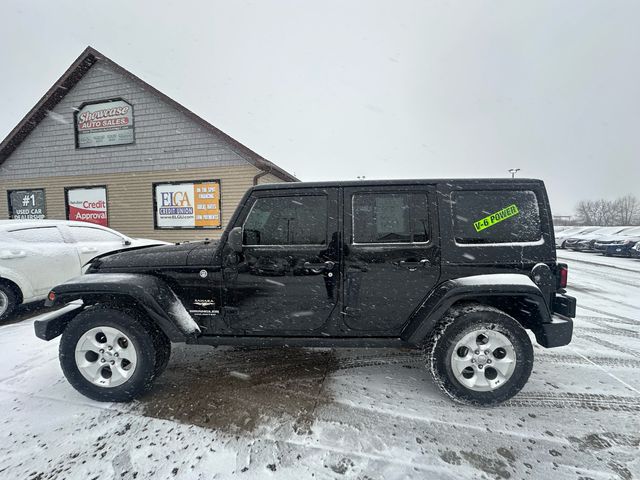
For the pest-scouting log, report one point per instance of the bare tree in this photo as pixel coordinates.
(597, 212)
(623, 211)
(584, 211)
(627, 209)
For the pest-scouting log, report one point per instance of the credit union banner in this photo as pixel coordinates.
(103, 124)
(187, 205)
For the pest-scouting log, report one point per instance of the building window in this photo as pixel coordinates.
(26, 204)
(187, 205)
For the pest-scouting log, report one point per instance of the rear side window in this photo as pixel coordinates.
(390, 218)
(37, 235)
(290, 220)
(503, 216)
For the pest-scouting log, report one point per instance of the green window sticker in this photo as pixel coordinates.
(499, 216)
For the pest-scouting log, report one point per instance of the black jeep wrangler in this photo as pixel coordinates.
(458, 268)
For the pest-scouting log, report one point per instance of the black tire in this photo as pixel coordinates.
(461, 321)
(8, 301)
(131, 324)
(163, 350)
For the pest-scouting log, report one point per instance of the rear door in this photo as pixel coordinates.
(285, 281)
(43, 257)
(391, 259)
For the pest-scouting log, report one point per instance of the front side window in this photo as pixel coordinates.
(390, 218)
(289, 220)
(496, 216)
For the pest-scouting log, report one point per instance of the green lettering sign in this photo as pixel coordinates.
(499, 216)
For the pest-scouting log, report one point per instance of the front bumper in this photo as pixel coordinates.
(620, 250)
(601, 247)
(51, 324)
(583, 246)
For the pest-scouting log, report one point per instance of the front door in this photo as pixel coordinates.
(286, 278)
(391, 260)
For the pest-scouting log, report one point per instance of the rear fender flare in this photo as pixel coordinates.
(490, 289)
(146, 292)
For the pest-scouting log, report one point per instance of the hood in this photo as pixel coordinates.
(182, 254)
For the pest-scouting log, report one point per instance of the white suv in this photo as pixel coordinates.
(36, 255)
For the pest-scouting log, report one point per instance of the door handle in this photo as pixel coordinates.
(9, 254)
(328, 265)
(415, 264)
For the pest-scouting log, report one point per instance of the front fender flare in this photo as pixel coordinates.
(450, 292)
(150, 293)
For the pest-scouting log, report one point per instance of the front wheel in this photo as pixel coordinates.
(479, 355)
(109, 354)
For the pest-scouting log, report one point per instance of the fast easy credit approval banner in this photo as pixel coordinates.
(188, 204)
(87, 205)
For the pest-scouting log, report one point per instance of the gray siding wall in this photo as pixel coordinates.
(166, 139)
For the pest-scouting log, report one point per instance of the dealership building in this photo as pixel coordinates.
(105, 147)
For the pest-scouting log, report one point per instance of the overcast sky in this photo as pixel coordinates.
(397, 89)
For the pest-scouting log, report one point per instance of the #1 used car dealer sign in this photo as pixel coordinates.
(105, 123)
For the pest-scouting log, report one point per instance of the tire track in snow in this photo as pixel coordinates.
(579, 401)
(410, 359)
(576, 359)
(612, 346)
(629, 321)
(620, 332)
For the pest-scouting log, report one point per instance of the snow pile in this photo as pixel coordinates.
(185, 321)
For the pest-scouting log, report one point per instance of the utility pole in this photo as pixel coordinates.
(513, 172)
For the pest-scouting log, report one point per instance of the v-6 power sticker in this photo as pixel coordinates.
(499, 216)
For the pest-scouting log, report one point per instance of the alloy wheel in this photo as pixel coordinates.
(483, 360)
(106, 356)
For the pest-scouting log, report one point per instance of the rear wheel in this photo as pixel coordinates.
(108, 354)
(8, 301)
(479, 355)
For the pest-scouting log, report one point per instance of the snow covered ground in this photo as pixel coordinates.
(362, 413)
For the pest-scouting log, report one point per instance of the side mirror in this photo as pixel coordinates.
(126, 242)
(235, 239)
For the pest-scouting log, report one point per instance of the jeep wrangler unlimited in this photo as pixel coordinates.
(458, 268)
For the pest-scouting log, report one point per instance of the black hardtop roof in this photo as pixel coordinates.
(451, 182)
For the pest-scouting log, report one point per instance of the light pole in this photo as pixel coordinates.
(513, 172)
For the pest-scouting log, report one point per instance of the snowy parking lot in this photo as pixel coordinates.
(359, 413)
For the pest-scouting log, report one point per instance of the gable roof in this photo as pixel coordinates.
(74, 74)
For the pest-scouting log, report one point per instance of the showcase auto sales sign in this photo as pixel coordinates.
(106, 123)
(88, 205)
